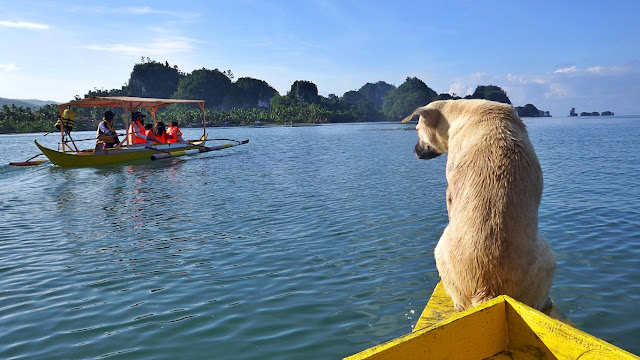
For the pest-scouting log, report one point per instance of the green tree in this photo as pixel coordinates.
(304, 91)
(212, 86)
(354, 106)
(254, 92)
(490, 92)
(376, 92)
(412, 94)
(446, 96)
(351, 98)
(527, 111)
(18, 119)
(154, 79)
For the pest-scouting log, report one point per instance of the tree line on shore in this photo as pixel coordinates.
(247, 101)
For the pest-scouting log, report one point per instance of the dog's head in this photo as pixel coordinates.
(433, 131)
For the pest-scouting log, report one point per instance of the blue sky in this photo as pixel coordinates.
(553, 54)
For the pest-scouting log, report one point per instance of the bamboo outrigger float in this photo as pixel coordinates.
(500, 329)
(123, 152)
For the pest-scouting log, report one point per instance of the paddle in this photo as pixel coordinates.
(95, 138)
(28, 162)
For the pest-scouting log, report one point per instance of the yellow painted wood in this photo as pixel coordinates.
(499, 329)
(439, 307)
(73, 159)
(450, 339)
(505, 355)
(88, 158)
(561, 340)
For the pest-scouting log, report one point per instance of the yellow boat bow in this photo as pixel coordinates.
(499, 329)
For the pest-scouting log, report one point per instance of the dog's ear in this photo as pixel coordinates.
(430, 116)
(408, 118)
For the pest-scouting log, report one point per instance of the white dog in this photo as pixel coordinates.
(491, 246)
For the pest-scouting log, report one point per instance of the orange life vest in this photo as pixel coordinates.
(162, 138)
(172, 134)
(131, 134)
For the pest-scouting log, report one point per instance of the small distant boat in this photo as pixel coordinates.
(68, 157)
(499, 329)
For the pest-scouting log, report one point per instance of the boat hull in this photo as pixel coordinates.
(501, 328)
(110, 156)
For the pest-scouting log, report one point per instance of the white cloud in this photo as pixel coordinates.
(126, 12)
(9, 67)
(160, 46)
(566, 70)
(25, 25)
(145, 10)
(121, 48)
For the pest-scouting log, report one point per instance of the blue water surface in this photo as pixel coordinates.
(309, 242)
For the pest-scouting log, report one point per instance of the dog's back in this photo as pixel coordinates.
(491, 246)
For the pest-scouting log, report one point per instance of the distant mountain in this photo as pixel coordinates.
(31, 103)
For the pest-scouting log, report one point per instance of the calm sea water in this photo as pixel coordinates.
(309, 242)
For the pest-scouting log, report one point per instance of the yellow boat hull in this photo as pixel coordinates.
(499, 329)
(110, 156)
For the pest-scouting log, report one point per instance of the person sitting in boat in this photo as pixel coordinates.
(160, 132)
(136, 133)
(67, 120)
(106, 132)
(148, 129)
(174, 135)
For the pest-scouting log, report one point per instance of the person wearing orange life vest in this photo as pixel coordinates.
(159, 132)
(174, 135)
(148, 129)
(136, 133)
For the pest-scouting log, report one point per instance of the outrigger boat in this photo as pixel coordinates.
(124, 152)
(499, 329)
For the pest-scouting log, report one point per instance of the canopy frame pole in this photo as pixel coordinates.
(125, 117)
(152, 111)
(61, 128)
(204, 120)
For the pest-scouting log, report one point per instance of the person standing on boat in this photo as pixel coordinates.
(174, 135)
(67, 120)
(136, 133)
(106, 132)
